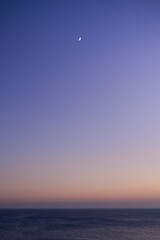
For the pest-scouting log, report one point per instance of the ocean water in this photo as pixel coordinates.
(82, 224)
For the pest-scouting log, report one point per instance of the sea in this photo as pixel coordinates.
(80, 224)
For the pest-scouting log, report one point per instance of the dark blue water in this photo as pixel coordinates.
(102, 224)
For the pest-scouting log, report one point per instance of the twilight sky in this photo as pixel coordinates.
(80, 120)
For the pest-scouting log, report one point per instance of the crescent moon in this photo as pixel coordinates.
(79, 39)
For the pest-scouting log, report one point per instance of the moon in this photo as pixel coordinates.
(79, 39)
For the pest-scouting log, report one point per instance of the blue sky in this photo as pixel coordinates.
(79, 119)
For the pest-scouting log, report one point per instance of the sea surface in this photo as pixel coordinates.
(82, 224)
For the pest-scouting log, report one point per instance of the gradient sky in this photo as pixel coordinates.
(80, 120)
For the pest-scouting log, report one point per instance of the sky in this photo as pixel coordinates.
(79, 120)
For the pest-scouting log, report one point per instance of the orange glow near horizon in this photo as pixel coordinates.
(78, 182)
